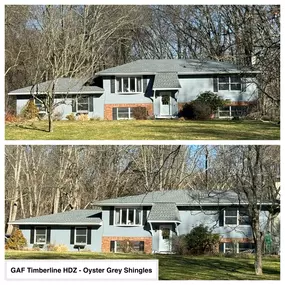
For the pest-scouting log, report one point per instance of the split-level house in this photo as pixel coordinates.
(160, 86)
(150, 222)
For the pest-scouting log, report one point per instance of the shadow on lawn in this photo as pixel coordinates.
(217, 130)
(209, 268)
(31, 127)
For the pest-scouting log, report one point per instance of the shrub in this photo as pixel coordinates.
(16, 241)
(195, 111)
(126, 246)
(201, 240)
(57, 116)
(140, 113)
(83, 117)
(57, 247)
(211, 99)
(179, 245)
(11, 118)
(30, 111)
(71, 117)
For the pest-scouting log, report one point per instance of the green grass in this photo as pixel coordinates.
(176, 267)
(144, 130)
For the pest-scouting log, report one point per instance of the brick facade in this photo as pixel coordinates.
(108, 109)
(147, 242)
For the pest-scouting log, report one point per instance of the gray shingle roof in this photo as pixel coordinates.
(75, 217)
(166, 80)
(179, 197)
(166, 212)
(62, 86)
(181, 66)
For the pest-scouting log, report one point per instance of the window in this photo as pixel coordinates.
(39, 104)
(128, 84)
(232, 111)
(236, 247)
(230, 83)
(80, 235)
(127, 246)
(235, 217)
(128, 216)
(40, 235)
(231, 217)
(82, 103)
(124, 113)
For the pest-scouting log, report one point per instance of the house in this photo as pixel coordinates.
(161, 86)
(147, 221)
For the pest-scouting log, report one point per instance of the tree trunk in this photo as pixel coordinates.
(258, 256)
(56, 201)
(50, 126)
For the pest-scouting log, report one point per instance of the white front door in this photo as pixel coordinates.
(165, 234)
(165, 103)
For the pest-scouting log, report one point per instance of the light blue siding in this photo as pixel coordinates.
(61, 235)
(191, 87)
(122, 231)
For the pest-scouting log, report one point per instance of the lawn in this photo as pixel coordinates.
(144, 130)
(177, 267)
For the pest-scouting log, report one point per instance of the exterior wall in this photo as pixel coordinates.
(191, 87)
(122, 231)
(64, 109)
(107, 240)
(115, 98)
(108, 109)
(61, 235)
(20, 104)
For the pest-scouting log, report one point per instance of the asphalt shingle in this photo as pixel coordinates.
(166, 212)
(181, 66)
(75, 217)
(179, 197)
(62, 86)
(166, 80)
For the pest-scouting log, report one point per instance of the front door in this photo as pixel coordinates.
(165, 103)
(165, 234)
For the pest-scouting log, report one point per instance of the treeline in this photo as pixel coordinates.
(47, 179)
(45, 42)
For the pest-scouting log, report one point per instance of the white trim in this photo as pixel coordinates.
(80, 243)
(129, 84)
(238, 219)
(161, 240)
(35, 235)
(229, 83)
(127, 216)
(129, 113)
(162, 221)
(46, 223)
(119, 74)
(59, 93)
(165, 89)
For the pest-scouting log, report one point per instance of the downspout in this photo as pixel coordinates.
(154, 93)
(176, 224)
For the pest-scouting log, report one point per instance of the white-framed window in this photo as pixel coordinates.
(235, 217)
(80, 235)
(127, 246)
(238, 247)
(40, 235)
(129, 84)
(232, 111)
(230, 83)
(128, 216)
(124, 113)
(82, 104)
